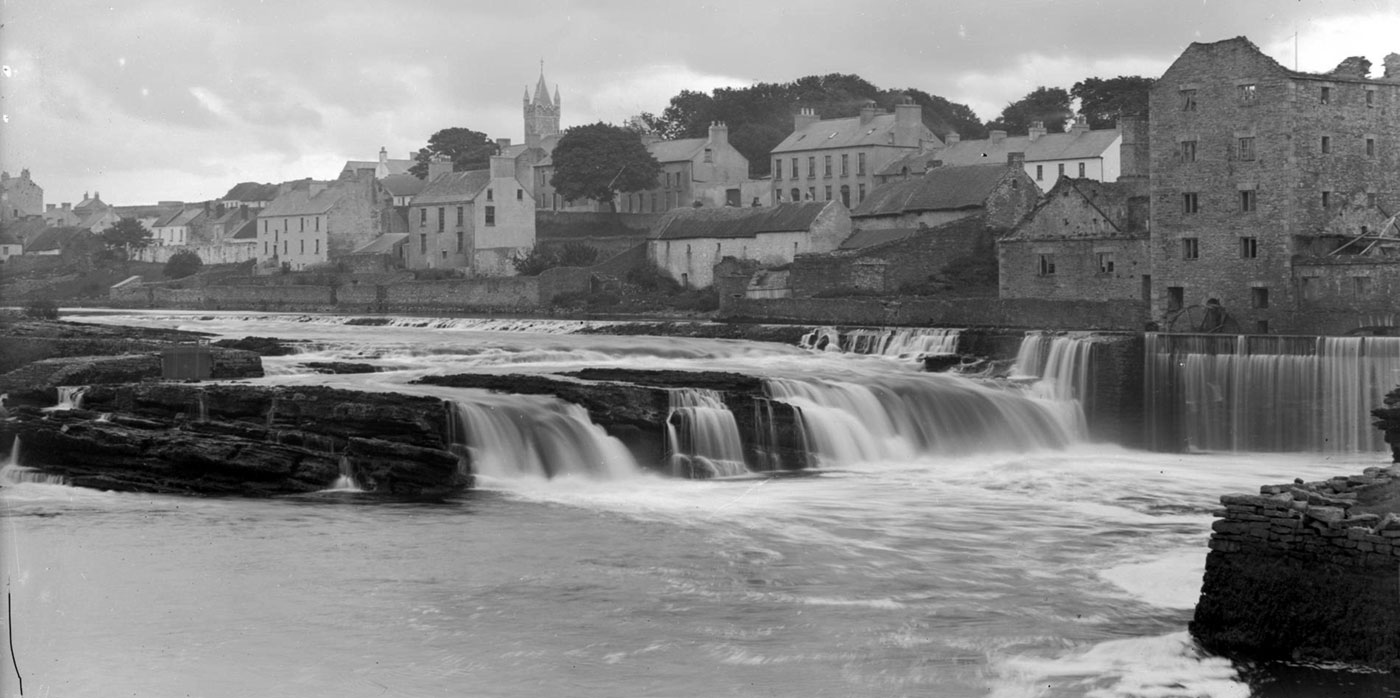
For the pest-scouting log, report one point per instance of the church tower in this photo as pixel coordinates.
(541, 113)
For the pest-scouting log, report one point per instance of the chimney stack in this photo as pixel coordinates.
(502, 144)
(805, 116)
(1133, 150)
(383, 155)
(952, 138)
(719, 133)
(1081, 125)
(1037, 130)
(867, 113)
(1016, 160)
(502, 167)
(908, 120)
(439, 166)
(997, 135)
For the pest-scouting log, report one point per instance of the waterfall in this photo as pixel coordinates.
(1268, 393)
(346, 482)
(510, 436)
(702, 435)
(889, 341)
(70, 397)
(898, 418)
(12, 473)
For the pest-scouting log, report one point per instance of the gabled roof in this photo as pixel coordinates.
(841, 133)
(55, 239)
(251, 191)
(403, 184)
(298, 200)
(394, 166)
(247, 231)
(453, 187)
(15, 231)
(1123, 206)
(942, 188)
(1071, 145)
(181, 217)
(735, 222)
(381, 244)
(96, 217)
(677, 150)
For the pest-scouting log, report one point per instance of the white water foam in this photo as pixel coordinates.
(1164, 666)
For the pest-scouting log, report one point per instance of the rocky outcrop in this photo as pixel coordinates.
(1388, 421)
(242, 440)
(634, 406)
(340, 367)
(36, 382)
(25, 341)
(262, 346)
(1306, 571)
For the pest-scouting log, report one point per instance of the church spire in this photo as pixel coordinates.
(542, 90)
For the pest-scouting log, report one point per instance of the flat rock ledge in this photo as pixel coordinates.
(1306, 571)
(241, 440)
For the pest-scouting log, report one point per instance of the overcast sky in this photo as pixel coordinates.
(157, 99)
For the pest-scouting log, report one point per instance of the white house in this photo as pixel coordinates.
(687, 243)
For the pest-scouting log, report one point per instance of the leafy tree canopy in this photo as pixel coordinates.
(126, 233)
(1103, 101)
(183, 263)
(467, 149)
(595, 160)
(1049, 105)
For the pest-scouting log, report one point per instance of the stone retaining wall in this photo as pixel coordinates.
(1306, 571)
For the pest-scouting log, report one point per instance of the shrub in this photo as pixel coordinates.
(183, 263)
(652, 280)
(704, 300)
(41, 309)
(540, 259)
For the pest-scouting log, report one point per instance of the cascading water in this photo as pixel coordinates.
(1060, 367)
(896, 341)
(900, 418)
(70, 397)
(1266, 393)
(12, 473)
(510, 436)
(346, 482)
(702, 435)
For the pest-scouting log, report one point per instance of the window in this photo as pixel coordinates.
(1039, 172)
(519, 194)
(1247, 93)
(1188, 151)
(285, 245)
(1370, 147)
(442, 218)
(860, 165)
(1190, 248)
(812, 167)
(460, 239)
(826, 166)
(1047, 265)
(1247, 148)
(1326, 199)
(811, 193)
(318, 224)
(264, 244)
(461, 218)
(489, 195)
(1326, 145)
(1081, 170)
(1310, 288)
(794, 170)
(1062, 169)
(1370, 98)
(777, 168)
(1188, 100)
(264, 226)
(1190, 202)
(301, 225)
(1247, 202)
(828, 192)
(302, 250)
(490, 215)
(1259, 297)
(1361, 286)
(845, 165)
(1176, 298)
(796, 194)
(422, 217)
(846, 195)
(860, 188)
(709, 155)
(1325, 96)
(318, 246)
(1249, 248)
(1105, 262)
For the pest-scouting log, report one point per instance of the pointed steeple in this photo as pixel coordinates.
(542, 90)
(557, 103)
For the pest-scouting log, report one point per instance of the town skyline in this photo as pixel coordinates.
(149, 101)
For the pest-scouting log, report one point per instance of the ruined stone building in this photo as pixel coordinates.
(837, 159)
(20, 196)
(1260, 176)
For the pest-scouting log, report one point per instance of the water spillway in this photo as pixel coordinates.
(888, 341)
(702, 435)
(512, 436)
(1267, 393)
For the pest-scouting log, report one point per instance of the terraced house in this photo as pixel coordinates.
(315, 222)
(478, 221)
(837, 159)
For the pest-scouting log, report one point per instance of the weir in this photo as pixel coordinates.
(1267, 393)
(70, 397)
(888, 341)
(702, 436)
(511, 436)
(12, 473)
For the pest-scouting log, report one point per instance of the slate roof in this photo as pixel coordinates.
(403, 184)
(252, 191)
(453, 187)
(735, 222)
(298, 201)
(841, 133)
(383, 243)
(394, 166)
(28, 228)
(185, 216)
(1083, 145)
(96, 217)
(247, 231)
(677, 150)
(942, 189)
(54, 239)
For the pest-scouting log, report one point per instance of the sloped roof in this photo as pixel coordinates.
(841, 133)
(96, 216)
(251, 191)
(394, 166)
(1072, 145)
(453, 187)
(677, 150)
(735, 222)
(941, 189)
(1123, 206)
(13, 232)
(185, 216)
(867, 238)
(381, 244)
(247, 231)
(55, 239)
(403, 184)
(298, 200)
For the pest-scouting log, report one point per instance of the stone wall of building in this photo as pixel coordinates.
(1306, 572)
(609, 233)
(1024, 313)
(889, 267)
(1078, 271)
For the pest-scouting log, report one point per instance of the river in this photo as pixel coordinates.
(996, 567)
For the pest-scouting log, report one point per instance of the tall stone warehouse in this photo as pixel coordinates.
(1260, 174)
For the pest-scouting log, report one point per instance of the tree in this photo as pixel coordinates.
(571, 254)
(125, 235)
(1049, 105)
(597, 160)
(183, 263)
(467, 149)
(1103, 101)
